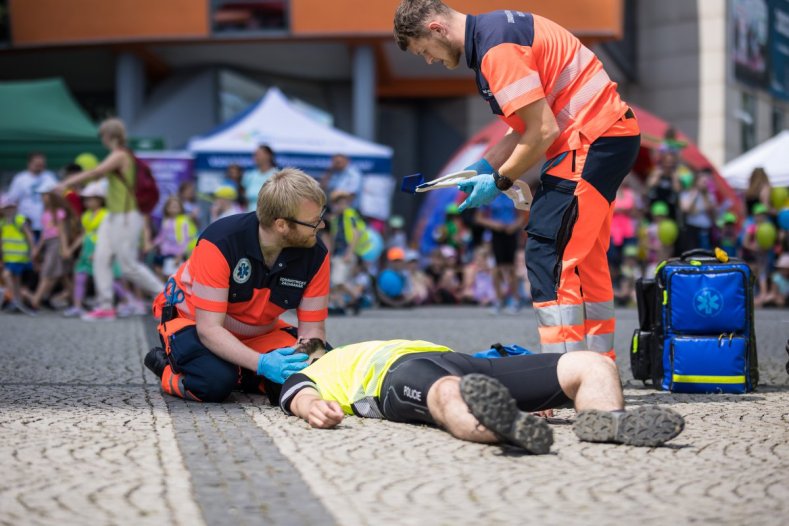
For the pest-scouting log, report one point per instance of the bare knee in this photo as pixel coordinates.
(577, 367)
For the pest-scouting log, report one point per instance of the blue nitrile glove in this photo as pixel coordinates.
(481, 167)
(279, 364)
(482, 189)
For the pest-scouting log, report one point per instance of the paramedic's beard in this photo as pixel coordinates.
(296, 240)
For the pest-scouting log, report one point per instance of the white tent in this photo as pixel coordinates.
(298, 141)
(772, 155)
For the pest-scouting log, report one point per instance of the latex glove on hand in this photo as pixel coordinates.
(279, 364)
(481, 167)
(481, 189)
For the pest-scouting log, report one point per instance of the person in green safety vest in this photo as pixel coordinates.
(349, 237)
(16, 242)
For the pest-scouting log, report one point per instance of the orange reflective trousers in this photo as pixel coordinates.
(569, 233)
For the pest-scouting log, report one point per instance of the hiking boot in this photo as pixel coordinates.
(495, 408)
(646, 426)
(156, 360)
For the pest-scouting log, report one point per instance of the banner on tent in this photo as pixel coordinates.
(313, 164)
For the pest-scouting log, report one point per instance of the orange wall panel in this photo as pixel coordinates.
(374, 17)
(39, 22)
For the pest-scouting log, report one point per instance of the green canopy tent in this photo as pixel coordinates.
(42, 116)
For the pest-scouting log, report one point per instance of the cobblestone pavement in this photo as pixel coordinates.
(86, 437)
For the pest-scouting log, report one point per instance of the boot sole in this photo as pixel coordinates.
(492, 404)
(644, 426)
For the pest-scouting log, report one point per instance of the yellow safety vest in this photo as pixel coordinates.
(191, 231)
(15, 247)
(352, 223)
(352, 375)
(91, 221)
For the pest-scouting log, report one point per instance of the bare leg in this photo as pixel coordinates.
(451, 412)
(591, 380)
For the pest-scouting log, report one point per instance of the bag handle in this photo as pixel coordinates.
(698, 252)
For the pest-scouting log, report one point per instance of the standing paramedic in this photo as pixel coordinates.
(559, 103)
(246, 270)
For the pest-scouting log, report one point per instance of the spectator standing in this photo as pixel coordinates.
(698, 207)
(758, 190)
(24, 190)
(16, 244)
(505, 223)
(664, 184)
(623, 224)
(58, 229)
(119, 235)
(253, 179)
(342, 176)
(95, 213)
(396, 236)
(233, 178)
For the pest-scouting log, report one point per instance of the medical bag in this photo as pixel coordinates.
(696, 331)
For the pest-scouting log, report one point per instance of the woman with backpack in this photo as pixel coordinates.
(119, 235)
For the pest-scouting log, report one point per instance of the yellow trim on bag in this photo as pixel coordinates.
(693, 379)
(635, 343)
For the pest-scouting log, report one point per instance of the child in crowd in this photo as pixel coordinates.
(396, 236)
(656, 250)
(187, 193)
(757, 256)
(478, 278)
(225, 203)
(778, 293)
(16, 241)
(176, 239)
(393, 287)
(729, 234)
(58, 227)
(627, 275)
(420, 282)
(93, 197)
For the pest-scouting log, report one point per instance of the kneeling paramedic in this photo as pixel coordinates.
(220, 323)
(473, 398)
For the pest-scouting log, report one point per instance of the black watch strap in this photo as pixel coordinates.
(502, 183)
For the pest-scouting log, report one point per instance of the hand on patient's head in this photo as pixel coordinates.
(314, 348)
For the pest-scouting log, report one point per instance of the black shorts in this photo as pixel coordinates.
(531, 379)
(504, 247)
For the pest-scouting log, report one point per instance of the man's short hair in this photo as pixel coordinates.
(33, 155)
(313, 347)
(410, 17)
(281, 195)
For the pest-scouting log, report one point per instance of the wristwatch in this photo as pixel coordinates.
(502, 183)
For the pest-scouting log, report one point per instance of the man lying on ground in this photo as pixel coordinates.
(475, 399)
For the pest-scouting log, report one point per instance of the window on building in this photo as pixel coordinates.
(249, 16)
(747, 117)
(779, 120)
(5, 33)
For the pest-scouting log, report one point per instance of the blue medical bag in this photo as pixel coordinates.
(696, 326)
